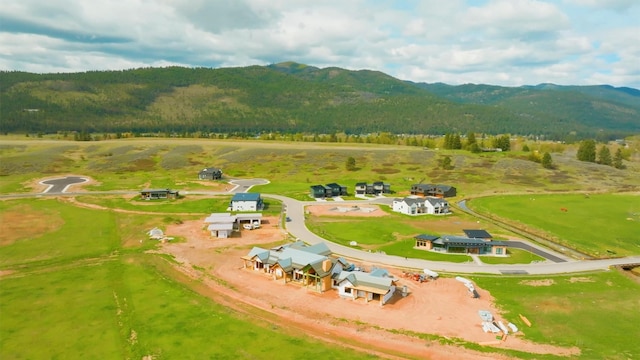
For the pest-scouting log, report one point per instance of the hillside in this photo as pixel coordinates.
(296, 98)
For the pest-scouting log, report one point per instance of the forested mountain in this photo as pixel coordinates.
(295, 98)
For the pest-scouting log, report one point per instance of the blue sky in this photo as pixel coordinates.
(499, 42)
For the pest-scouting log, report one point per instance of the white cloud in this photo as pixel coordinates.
(503, 42)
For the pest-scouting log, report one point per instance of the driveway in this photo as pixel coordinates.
(294, 209)
(61, 185)
(244, 185)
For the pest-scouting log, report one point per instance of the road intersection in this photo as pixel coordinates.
(294, 210)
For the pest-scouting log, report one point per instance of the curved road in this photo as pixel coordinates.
(294, 210)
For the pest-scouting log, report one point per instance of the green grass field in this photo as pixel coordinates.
(81, 291)
(601, 225)
(70, 270)
(595, 312)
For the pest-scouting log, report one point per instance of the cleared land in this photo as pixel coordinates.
(147, 308)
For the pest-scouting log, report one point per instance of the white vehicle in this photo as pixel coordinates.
(254, 225)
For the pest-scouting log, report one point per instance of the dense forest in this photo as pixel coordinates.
(295, 98)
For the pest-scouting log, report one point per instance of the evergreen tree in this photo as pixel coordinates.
(351, 163)
(587, 151)
(617, 160)
(547, 162)
(456, 143)
(502, 142)
(445, 163)
(447, 141)
(604, 156)
(471, 139)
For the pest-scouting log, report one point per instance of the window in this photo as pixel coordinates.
(499, 251)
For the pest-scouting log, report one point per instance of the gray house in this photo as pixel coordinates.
(210, 173)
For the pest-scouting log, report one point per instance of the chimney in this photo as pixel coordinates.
(326, 265)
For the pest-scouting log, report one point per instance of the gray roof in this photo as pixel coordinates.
(359, 279)
(246, 197)
(210, 170)
(435, 201)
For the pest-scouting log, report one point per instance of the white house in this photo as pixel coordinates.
(246, 202)
(415, 205)
(357, 284)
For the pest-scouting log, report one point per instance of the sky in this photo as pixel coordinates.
(498, 42)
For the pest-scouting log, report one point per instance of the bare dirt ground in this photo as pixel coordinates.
(441, 307)
(438, 224)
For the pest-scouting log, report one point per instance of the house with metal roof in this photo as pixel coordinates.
(306, 265)
(461, 245)
(246, 202)
(369, 286)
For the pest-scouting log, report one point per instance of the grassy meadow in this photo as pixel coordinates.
(90, 291)
(62, 274)
(601, 225)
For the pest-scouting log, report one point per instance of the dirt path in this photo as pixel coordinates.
(440, 307)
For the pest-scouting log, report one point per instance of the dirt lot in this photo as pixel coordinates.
(441, 307)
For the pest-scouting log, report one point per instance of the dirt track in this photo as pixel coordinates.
(441, 307)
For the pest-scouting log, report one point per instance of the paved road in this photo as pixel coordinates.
(61, 185)
(294, 209)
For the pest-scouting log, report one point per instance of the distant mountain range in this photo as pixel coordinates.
(296, 98)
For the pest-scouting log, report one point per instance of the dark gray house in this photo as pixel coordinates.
(210, 173)
(337, 189)
(433, 190)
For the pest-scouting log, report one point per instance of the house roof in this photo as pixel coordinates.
(426, 237)
(220, 226)
(365, 281)
(210, 170)
(300, 258)
(218, 218)
(158, 191)
(463, 241)
(335, 185)
(361, 184)
(435, 201)
(246, 197)
(422, 186)
(261, 253)
(318, 249)
(480, 234)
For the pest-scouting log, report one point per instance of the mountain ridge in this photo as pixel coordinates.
(298, 98)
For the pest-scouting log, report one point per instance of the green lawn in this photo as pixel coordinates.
(601, 225)
(516, 256)
(597, 312)
(394, 235)
(79, 290)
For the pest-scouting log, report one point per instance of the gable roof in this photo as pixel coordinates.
(479, 234)
(318, 249)
(365, 281)
(246, 197)
(261, 253)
